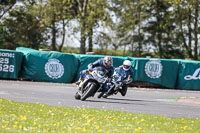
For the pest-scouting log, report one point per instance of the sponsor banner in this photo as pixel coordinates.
(10, 64)
(189, 75)
(194, 76)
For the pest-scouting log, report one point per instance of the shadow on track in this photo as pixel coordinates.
(117, 101)
(125, 99)
(132, 100)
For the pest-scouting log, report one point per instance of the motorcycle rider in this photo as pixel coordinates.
(128, 78)
(106, 62)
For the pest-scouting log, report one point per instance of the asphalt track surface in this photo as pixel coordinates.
(167, 102)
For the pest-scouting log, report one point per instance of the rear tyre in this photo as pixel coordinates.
(123, 91)
(100, 95)
(105, 96)
(89, 91)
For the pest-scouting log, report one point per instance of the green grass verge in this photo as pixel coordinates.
(34, 117)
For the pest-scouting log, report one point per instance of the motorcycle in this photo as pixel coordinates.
(91, 84)
(115, 83)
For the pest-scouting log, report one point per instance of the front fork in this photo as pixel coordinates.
(100, 88)
(114, 89)
(110, 90)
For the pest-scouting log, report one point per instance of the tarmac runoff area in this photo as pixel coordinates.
(192, 100)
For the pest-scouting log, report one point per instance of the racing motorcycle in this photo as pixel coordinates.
(91, 84)
(115, 83)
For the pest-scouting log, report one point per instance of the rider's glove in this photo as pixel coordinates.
(90, 69)
(127, 81)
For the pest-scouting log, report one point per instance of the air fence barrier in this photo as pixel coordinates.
(49, 66)
(189, 75)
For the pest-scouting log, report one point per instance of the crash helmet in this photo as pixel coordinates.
(126, 65)
(107, 61)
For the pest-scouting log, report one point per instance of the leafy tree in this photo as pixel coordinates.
(1, 36)
(5, 6)
(159, 26)
(131, 15)
(22, 28)
(187, 21)
(103, 41)
(91, 12)
(196, 27)
(55, 14)
(98, 14)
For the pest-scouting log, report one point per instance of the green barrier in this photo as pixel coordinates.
(48, 66)
(165, 72)
(158, 71)
(10, 63)
(66, 68)
(189, 75)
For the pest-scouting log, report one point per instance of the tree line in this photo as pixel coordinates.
(165, 28)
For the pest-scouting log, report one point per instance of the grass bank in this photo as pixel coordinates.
(34, 117)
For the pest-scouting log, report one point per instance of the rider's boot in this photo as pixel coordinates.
(107, 94)
(78, 82)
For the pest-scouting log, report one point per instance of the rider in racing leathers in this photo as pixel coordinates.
(106, 62)
(128, 78)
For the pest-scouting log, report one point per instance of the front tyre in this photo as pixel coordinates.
(89, 91)
(77, 96)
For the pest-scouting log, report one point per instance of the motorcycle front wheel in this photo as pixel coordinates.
(77, 96)
(88, 91)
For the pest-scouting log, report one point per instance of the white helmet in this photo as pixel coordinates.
(126, 65)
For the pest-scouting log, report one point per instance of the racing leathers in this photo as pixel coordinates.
(98, 63)
(127, 80)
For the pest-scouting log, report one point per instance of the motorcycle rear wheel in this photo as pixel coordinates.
(100, 95)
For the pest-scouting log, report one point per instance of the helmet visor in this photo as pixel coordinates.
(108, 64)
(127, 67)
